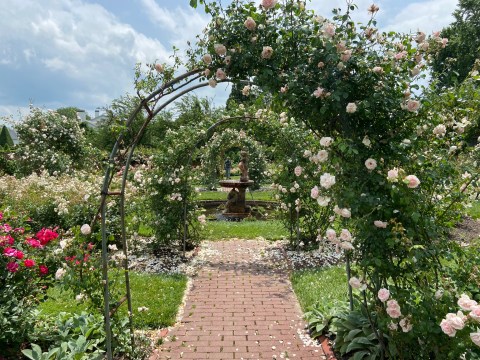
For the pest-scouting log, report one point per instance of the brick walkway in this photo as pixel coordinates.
(240, 306)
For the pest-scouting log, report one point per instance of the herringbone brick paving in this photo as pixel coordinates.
(240, 306)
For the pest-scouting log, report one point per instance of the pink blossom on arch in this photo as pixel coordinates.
(314, 193)
(370, 164)
(383, 294)
(380, 224)
(447, 328)
(220, 74)
(351, 108)
(412, 181)
(269, 4)
(220, 49)
(392, 175)
(346, 55)
(207, 58)
(159, 67)
(393, 309)
(326, 141)
(267, 52)
(329, 30)
(298, 170)
(413, 105)
(250, 24)
(475, 337)
(466, 303)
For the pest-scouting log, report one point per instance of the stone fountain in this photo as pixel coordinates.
(235, 207)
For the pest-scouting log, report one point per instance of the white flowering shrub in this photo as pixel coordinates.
(50, 142)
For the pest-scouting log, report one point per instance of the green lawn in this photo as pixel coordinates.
(270, 230)
(474, 211)
(222, 195)
(324, 285)
(161, 294)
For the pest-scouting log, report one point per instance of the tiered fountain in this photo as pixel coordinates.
(235, 208)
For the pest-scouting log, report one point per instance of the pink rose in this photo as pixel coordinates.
(327, 180)
(159, 67)
(250, 24)
(356, 283)
(43, 270)
(331, 235)
(405, 325)
(207, 58)
(220, 74)
(46, 235)
(329, 30)
(413, 105)
(326, 141)
(380, 224)
(267, 52)
(447, 328)
(11, 252)
(393, 309)
(346, 55)
(220, 49)
(298, 171)
(392, 175)
(346, 213)
(345, 235)
(475, 313)
(207, 72)
(420, 37)
(269, 4)
(351, 108)
(34, 243)
(411, 181)
(378, 70)
(400, 55)
(314, 193)
(12, 267)
(457, 321)
(466, 303)
(323, 200)
(319, 92)
(212, 83)
(371, 164)
(383, 294)
(440, 130)
(6, 240)
(246, 90)
(475, 338)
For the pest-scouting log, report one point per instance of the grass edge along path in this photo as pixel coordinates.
(162, 294)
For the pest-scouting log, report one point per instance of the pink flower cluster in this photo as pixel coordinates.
(343, 241)
(454, 322)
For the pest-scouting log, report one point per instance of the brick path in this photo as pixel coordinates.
(240, 306)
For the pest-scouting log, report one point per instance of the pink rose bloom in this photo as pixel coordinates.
(447, 328)
(380, 224)
(250, 24)
(319, 92)
(327, 180)
(6, 240)
(284, 89)
(212, 83)
(29, 263)
(475, 313)
(393, 309)
(202, 219)
(346, 55)
(341, 46)
(246, 90)
(346, 213)
(351, 108)
(314, 193)
(46, 235)
(322, 156)
(405, 325)
(159, 68)
(440, 130)
(323, 200)
(378, 70)
(207, 58)
(269, 4)
(329, 30)
(267, 52)
(331, 235)
(413, 105)
(400, 55)
(207, 72)
(420, 37)
(220, 74)
(392, 175)
(345, 245)
(345, 235)
(475, 338)
(444, 42)
(11, 252)
(466, 303)
(298, 170)
(383, 294)
(457, 321)
(34, 243)
(355, 283)
(412, 181)
(220, 49)
(12, 267)
(371, 164)
(326, 141)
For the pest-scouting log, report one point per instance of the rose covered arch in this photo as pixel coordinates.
(391, 167)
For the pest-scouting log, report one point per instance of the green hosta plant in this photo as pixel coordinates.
(321, 316)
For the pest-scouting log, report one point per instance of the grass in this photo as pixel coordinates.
(161, 293)
(474, 211)
(325, 286)
(222, 195)
(270, 230)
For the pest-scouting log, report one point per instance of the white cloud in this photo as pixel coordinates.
(426, 16)
(76, 40)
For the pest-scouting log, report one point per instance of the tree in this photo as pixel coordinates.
(5, 138)
(456, 60)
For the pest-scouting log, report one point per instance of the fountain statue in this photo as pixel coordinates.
(235, 207)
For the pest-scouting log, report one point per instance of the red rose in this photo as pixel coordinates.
(12, 266)
(43, 270)
(29, 263)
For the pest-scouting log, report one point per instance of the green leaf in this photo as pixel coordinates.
(193, 3)
(360, 355)
(351, 335)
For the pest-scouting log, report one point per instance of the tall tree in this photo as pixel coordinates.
(456, 60)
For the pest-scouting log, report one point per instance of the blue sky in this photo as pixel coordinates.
(57, 53)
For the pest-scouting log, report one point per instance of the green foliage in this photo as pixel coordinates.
(5, 138)
(320, 317)
(456, 60)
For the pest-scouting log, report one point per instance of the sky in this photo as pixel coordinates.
(81, 53)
